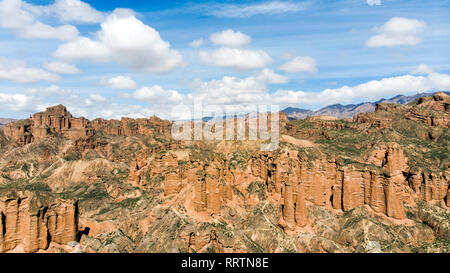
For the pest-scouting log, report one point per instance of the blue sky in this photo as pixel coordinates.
(137, 58)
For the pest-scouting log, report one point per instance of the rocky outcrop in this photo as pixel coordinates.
(212, 185)
(433, 111)
(29, 224)
(57, 120)
(428, 186)
(132, 127)
(19, 132)
(328, 184)
(390, 156)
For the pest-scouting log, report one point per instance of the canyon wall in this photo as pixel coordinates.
(28, 225)
(329, 184)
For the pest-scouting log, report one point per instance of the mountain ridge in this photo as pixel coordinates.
(350, 110)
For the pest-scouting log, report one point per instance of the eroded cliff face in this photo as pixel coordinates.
(328, 184)
(57, 120)
(133, 127)
(126, 186)
(31, 223)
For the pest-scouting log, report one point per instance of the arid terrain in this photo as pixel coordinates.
(377, 182)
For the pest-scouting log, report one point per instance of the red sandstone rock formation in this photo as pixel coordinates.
(57, 120)
(428, 186)
(212, 185)
(326, 183)
(132, 127)
(30, 226)
(432, 111)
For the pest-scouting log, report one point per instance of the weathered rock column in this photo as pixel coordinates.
(337, 197)
(377, 197)
(301, 214)
(288, 212)
(394, 205)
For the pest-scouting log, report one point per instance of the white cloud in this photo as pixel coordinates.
(119, 82)
(371, 90)
(17, 71)
(13, 15)
(141, 49)
(50, 91)
(300, 64)
(197, 43)
(242, 93)
(95, 106)
(236, 94)
(439, 81)
(422, 69)
(157, 95)
(97, 98)
(230, 38)
(374, 2)
(398, 31)
(241, 11)
(230, 90)
(268, 75)
(70, 11)
(90, 106)
(236, 58)
(61, 68)
(18, 103)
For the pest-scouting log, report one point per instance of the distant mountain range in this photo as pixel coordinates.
(350, 110)
(334, 110)
(4, 121)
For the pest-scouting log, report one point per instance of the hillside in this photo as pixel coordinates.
(376, 183)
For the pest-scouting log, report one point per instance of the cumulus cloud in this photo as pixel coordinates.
(422, 69)
(300, 64)
(158, 95)
(398, 31)
(49, 91)
(197, 43)
(19, 72)
(236, 58)
(247, 10)
(14, 15)
(235, 94)
(95, 106)
(229, 90)
(371, 90)
(61, 68)
(18, 103)
(69, 11)
(119, 82)
(142, 49)
(268, 75)
(230, 38)
(373, 2)
(91, 105)
(242, 93)
(97, 98)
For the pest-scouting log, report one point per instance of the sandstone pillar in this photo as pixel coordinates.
(394, 204)
(301, 214)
